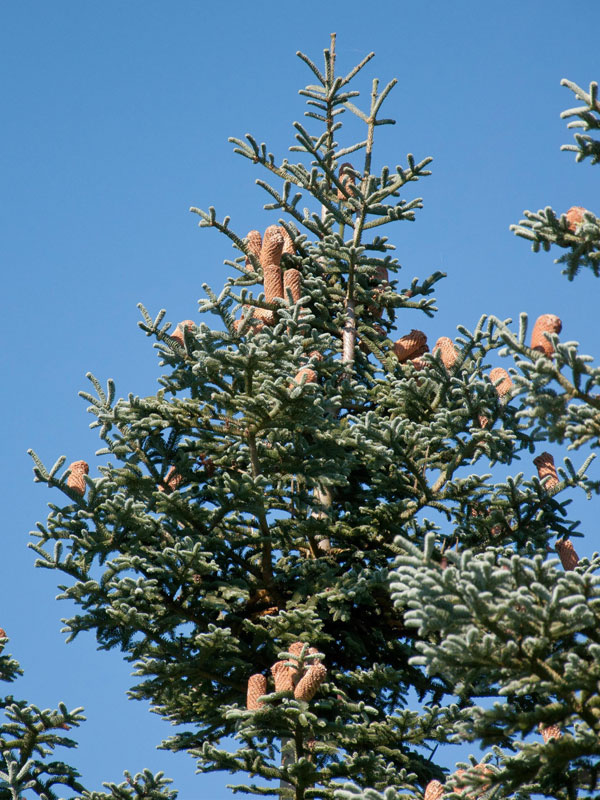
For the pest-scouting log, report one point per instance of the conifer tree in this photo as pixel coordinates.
(299, 541)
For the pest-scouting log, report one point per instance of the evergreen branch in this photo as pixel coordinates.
(355, 70)
(311, 66)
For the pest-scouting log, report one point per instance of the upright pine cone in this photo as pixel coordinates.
(500, 374)
(254, 240)
(545, 467)
(348, 180)
(448, 354)
(311, 376)
(272, 246)
(551, 732)
(257, 687)
(270, 258)
(76, 480)
(178, 333)
(288, 245)
(418, 363)
(475, 792)
(255, 325)
(567, 554)
(284, 676)
(575, 217)
(413, 345)
(307, 686)
(172, 479)
(433, 791)
(381, 277)
(547, 323)
(292, 280)
(295, 649)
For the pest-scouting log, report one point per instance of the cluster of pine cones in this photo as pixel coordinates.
(300, 673)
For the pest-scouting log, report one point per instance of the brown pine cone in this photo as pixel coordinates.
(254, 240)
(288, 245)
(273, 282)
(433, 791)
(500, 374)
(311, 375)
(348, 180)
(292, 280)
(272, 246)
(413, 345)
(172, 479)
(547, 323)
(178, 333)
(418, 363)
(284, 676)
(307, 685)
(255, 325)
(551, 732)
(295, 649)
(566, 552)
(575, 217)
(76, 480)
(447, 351)
(474, 792)
(257, 687)
(382, 278)
(545, 467)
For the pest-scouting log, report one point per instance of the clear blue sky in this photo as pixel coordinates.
(115, 120)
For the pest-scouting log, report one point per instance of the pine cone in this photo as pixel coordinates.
(547, 323)
(483, 421)
(254, 240)
(172, 479)
(284, 676)
(418, 363)
(295, 649)
(545, 467)
(433, 791)
(307, 686)
(311, 375)
(566, 552)
(257, 687)
(292, 280)
(255, 325)
(575, 217)
(273, 282)
(382, 278)
(76, 480)
(551, 732)
(448, 353)
(288, 245)
(272, 246)
(475, 791)
(178, 333)
(348, 180)
(504, 386)
(412, 345)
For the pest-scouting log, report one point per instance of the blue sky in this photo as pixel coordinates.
(115, 121)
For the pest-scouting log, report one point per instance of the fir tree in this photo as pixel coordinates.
(300, 533)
